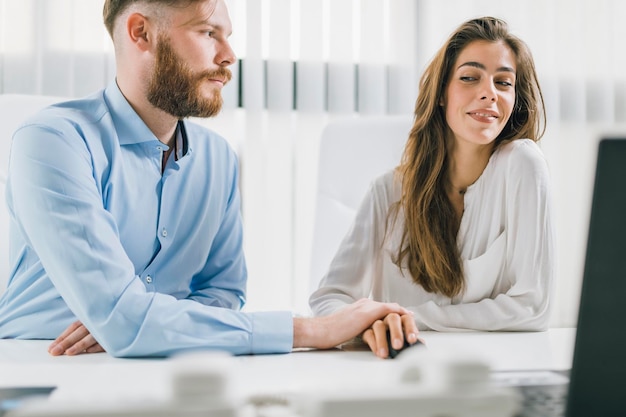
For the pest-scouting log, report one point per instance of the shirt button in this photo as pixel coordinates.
(164, 233)
(159, 148)
(149, 279)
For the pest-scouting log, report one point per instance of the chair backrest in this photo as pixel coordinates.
(353, 152)
(14, 108)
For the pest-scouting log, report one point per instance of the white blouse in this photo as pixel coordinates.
(506, 240)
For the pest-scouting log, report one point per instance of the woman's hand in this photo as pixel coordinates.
(400, 327)
(75, 340)
(329, 331)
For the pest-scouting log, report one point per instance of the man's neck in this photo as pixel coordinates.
(162, 124)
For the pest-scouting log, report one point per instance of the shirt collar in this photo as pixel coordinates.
(130, 128)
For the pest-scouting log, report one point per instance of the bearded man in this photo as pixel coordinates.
(126, 229)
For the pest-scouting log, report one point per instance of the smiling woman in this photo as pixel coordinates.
(462, 231)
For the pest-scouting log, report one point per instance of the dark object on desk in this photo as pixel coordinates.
(543, 392)
(395, 352)
(543, 401)
(12, 398)
(599, 365)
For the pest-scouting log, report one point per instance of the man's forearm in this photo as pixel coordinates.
(301, 332)
(329, 331)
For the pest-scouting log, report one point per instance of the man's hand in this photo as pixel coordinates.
(343, 325)
(75, 340)
(400, 326)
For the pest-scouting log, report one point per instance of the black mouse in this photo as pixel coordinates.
(395, 352)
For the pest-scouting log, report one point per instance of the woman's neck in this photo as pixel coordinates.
(467, 165)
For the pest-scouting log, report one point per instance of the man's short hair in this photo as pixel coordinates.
(113, 8)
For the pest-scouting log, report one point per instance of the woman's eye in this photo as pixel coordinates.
(468, 78)
(505, 83)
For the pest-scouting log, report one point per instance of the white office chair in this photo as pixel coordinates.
(353, 151)
(14, 108)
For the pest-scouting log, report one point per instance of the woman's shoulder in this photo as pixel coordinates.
(386, 187)
(522, 147)
(388, 181)
(521, 160)
(385, 179)
(521, 153)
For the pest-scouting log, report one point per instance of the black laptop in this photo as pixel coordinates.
(596, 384)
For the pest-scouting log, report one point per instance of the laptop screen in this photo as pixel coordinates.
(598, 375)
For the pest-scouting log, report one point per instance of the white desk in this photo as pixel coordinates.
(512, 351)
(99, 376)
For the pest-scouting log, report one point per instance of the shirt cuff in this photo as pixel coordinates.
(272, 332)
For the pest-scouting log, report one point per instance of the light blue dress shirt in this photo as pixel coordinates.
(151, 263)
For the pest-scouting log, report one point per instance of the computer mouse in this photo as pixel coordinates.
(395, 352)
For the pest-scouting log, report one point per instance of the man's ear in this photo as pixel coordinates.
(138, 30)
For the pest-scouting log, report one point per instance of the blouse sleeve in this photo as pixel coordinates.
(350, 275)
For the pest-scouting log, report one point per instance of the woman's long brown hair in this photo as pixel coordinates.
(428, 247)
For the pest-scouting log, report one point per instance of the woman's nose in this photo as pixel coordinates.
(489, 92)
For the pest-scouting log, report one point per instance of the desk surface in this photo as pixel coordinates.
(100, 376)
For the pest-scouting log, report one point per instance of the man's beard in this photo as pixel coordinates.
(176, 89)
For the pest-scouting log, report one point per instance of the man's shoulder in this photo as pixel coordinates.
(70, 112)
